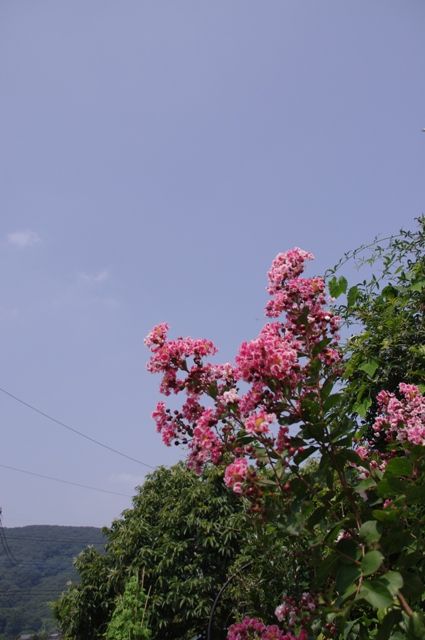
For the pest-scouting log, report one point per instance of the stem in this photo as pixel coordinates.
(282, 490)
(404, 604)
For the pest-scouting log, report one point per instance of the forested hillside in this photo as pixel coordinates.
(36, 562)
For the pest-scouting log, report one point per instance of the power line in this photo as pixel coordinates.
(76, 431)
(75, 484)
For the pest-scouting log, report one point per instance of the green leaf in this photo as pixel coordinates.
(399, 467)
(371, 562)
(346, 576)
(387, 624)
(361, 408)
(389, 292)
(393, 581)
(350, 551)
(337, 286)
(364, 485)
(369, 531)
(306, 453)
(390, 486)
(416, 626)
(369, 367)
(343, 284)
(385, 515)
(415, 494)
(332, 401)
(333, 287)
(352, 296)
(376, 594)
(317, 516)
(417, 286)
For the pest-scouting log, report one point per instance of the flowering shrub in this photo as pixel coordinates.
(263, 416)
(292, 612)
(404, 419)
(253, 629)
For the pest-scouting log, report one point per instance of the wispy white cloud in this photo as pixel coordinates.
(24, 238)
(88, 289)
(95, 278)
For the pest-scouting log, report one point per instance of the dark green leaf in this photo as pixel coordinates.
(393, 581)
(346, 576)
(385, 515)
(364, 485)
(376, 594)
(416, 626)
(391, 619)
(337, 286)
(369, 367)
(371, 562)
(399, 467)
(361, 408)
(352, 295)
(417, 286)
(369, 531)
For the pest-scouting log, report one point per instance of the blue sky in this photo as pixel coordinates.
(154, 158)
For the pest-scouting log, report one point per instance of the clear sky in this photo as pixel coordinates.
(154, 157)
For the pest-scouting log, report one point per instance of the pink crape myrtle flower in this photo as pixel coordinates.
(157, 337)
(255, 629)
(271, 355)
(229, 397)
(274, 368)
(292, 611)
(235, 474)
(170, 356)
(402, 419)
(164, 424)
(363, 452)
(258, 423)
(205, 445)
(285, 266)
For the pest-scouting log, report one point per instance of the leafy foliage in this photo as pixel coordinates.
(183, 532)
(390, 346)
(128, 621)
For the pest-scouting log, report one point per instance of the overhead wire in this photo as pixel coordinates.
(74, 430)
(61, 480)
(3, 539)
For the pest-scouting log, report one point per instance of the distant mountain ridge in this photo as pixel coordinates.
(36, 562)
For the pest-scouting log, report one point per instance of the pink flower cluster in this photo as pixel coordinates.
(255, 629)
(170, 356)
(276, 367)
(205, 445)
(286, 266)
(235, 474)
(271, 355)
(296, 612)
(165, 424)
(297, 297)
(402, 419)
(259, 422)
